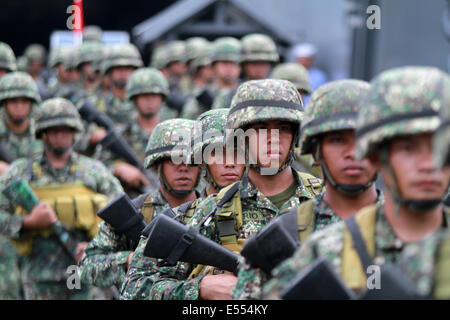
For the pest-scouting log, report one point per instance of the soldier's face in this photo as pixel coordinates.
(179, 176)
(338, 152)
(222, 171)
(206, 73)
(177, 69)
(270, 142)
(60, 139)
(120, 75)
(411, 160)
(256, 70)
(227, 71)
(148, 104)
(63, 74)
(18, 109)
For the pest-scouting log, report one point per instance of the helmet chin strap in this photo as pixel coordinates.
(287, 162)
(352, 190)
(172, 191)
(419, 206)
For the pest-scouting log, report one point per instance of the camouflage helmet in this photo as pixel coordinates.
(122, 55)
(441, 145)
(147, 80)
(18, 84)
(226, 49)
(35, 52)
(92, 33)
(158, 60)
(401, 101)
(264, 100)
(195, 47)
(333, 106)
(22, 63)
(203, 59)
(164, 142)
(57, 112)
(258, 47)
(295, 73)
(58, 55)
(209, 129)
(175, 51)
(89, 51)
(7, 57)
(70, 59)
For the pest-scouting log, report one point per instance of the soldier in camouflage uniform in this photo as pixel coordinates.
(71, 189)
(226, 57)
(201, 95)
(7, 59)
(19, 95)
(61, 77)
(259, 54)
(265, 191)
(92, 33)
(122, 60)
(36, 57)
(394, 131)
(147, 88)
(327, 132)
(109, 253)
(219, 172)
(298, 75)
(427, 263)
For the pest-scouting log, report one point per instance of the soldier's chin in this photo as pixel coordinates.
(18, 121)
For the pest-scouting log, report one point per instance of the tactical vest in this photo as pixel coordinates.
(228, 217)
(351, 267)
(442, 276)
(75, 206)
(186, 210)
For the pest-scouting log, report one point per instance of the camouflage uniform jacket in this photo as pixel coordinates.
(251, 280)
(47, 261)
(329, 243)
(104, 264)
(118, 110)
(9, 271)
(419, 262)
(192, 108)
(150, 279)
(21, 144)
(223, 98)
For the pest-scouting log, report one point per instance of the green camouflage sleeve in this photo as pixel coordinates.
(104, 264)
(250, 282)
(107, 184)
(10, 224)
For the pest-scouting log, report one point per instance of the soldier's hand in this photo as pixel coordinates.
(3, 167)
(131, 175)
(79, 251)
(96, 136)
(42, 216)
(217, 287)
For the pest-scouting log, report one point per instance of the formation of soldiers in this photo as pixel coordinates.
(363, 169)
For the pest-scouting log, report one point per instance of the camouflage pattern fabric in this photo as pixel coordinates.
(333, 106)
(165, 136)
(35, 52)
(92, 33)
(158, 59)
(264, 100)
(150, 279)
(10, 288)
(176, 51)
(57, 112)
(251, 280)
(18, 84)
(105, 262)
(43, 272)
(295, 73)
(121, 55)
(224, 97)
(89, 51)
(401, 101)
(328, 243)
(226, 49)
(116, 109)
(258, 47)
(7, 57)
(441, 145)
(147, 80)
